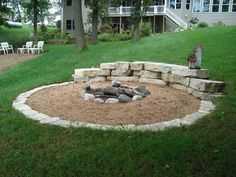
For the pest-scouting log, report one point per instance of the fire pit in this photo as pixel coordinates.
(114, 93)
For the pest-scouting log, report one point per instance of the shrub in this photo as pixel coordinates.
(106, 29)
(15, 36)
(105, 37)
(202, 25)
(145, 29)
(219, 23)
(108, 37)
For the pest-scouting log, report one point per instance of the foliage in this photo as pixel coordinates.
(15, 36)
(202, 25)
(145, 28)
(138, 9)
(219, 23)
(193, 20)
(106, 29)
(109, 37)
(206, 149)
(4, 10)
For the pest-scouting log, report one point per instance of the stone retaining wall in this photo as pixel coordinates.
(193, 81)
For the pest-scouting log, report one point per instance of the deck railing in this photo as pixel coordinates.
(126, 10)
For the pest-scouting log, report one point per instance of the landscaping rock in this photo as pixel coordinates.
(112, 101)
(137, 97)
(98, 100)
(172, 78)
(108, 66)
(104, 72)
(137, 66)
(129, 92)
(142, 91)
(158, 67)
(121, 69)
(97, 79)
(115, 83)
(89, 97)
(124, 98)
(151, 74)
(86, 72)
(206, 85)
(152, 81)
(123, 78)
(185, 71)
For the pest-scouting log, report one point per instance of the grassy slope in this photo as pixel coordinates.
(204, 149)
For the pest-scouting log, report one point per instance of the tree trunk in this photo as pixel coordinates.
(136, 36)
(35, 21)
(94, 39)
(79, 26)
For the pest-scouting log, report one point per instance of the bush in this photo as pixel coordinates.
(219, 23)
(109, 37)
(145, 29)
(15, 36)
(106, 29)
(202, 25)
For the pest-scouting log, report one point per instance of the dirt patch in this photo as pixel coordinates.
(164, 103)
(10, 60)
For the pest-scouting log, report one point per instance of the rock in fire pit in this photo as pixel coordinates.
(114, 93)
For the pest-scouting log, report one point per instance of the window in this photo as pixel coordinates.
(234, 6)
(187, 4)
(225, 6)
(196, 6)
(70, 24)
(175, 4)
(215, 6)
(206, 6)
(69, 2)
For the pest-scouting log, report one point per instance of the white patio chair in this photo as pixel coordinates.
(2, 50)
(7, 47)
(25, 47)
(37, 48)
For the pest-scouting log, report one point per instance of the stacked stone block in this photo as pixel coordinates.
(193, 81)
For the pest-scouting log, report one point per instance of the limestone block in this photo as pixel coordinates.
(179, 87)
(108, 66)
(165, 77)
(62, 123)
(122, 68)
(104, 72)
(190, 119)
(179, 79)
(137, 66)
(185, 71)
(97, 79)
(206, 85)
(80, 79)
(123, 78)
(86, 72)
(152, 81)
(138, 73)
(151, 74)
(158, 67)
(49, 120)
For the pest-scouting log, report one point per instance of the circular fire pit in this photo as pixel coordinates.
(114, 93)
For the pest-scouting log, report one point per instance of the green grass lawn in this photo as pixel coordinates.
(207, 148)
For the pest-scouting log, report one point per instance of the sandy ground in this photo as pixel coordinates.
(10, 60)
(164, 103)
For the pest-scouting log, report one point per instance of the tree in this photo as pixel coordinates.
(99, 9)
(138, 10)
(4, 10)
(79, 26)
(39, 9)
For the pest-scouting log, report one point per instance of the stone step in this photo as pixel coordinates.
(206, 85)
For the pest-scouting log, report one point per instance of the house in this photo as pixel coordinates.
(164, 15)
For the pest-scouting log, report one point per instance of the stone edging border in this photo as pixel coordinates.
(19, 104)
